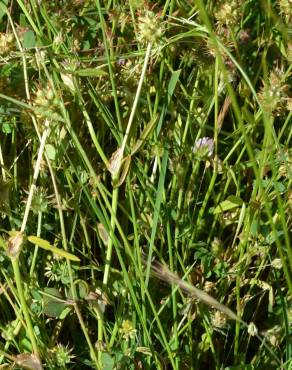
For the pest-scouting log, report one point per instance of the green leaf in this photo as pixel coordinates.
(273, 236)
(170, 90)
(91, 72)
(29, 39)
(3, 8)
(7, 128)
(231, 202)
(4, 192)
(82, 289)
(46, 245)
(279, 187)
(108, 362)
(51, 151)
(53, 303)
(172, 83)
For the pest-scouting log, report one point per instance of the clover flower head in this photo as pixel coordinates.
(204, 147)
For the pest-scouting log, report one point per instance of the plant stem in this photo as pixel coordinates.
(15, 261)
(116, 188)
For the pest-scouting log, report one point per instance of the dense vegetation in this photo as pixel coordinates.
(145, 194)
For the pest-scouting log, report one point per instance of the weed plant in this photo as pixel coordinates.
(145, 185)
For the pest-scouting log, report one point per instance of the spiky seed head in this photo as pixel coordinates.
(151, 28)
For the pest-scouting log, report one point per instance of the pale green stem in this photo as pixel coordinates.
(2, 165)
(35, 253)
(35, 176)
(15, 261)
(18, 280)
(116, 189)
(133, 111)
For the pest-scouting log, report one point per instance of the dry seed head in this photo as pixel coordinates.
(78, 3)
(131, 71)
(217, 247)
(39, 59)
(285, 170)
(151, 28)
(58, 39)
(8, 331)
(6, 43)
(286, 10)
(209, 286)
(219, 319)
(164, 274)
(273, 95)
(229, 13)
(273, 339)
(46, 104)
(289, 104)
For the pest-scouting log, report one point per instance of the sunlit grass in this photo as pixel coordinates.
(145, 189)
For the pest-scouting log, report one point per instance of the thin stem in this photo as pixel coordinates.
(116, 189)
(18, 280)
(15, 261)
(133, 111)
(35, 176)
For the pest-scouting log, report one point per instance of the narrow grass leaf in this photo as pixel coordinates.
(46, 245)
(159, 195)
(91, 72)
(230, 203)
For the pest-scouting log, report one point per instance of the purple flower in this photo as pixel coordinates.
(121, 62)
(204, 147)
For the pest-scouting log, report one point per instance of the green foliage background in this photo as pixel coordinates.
(166, 130)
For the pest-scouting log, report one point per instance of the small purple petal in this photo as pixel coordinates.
(204, 145)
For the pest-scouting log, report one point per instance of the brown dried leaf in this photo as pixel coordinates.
(102, 233)
(115, 162)
(15, 243)
(29, 361)
(126, 166)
